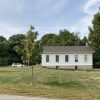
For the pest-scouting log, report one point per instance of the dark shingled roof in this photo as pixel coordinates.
(67, 49)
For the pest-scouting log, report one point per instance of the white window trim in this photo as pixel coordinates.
(85, 58)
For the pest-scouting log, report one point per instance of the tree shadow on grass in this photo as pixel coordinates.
(70, 84)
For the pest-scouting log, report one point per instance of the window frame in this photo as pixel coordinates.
(47, 58)
(76, 58)
(57, 58)
(66, 58)
(85, 58)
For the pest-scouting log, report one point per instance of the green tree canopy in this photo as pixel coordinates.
(3, 39)
(4, 51)
(94, 37)
(29, 46)
(84, 41)
(47, 39)
(15, 43)
(64, 38)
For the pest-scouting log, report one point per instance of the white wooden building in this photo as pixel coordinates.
(68, 57)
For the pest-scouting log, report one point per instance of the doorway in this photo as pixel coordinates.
(57, 67)
(76, 67)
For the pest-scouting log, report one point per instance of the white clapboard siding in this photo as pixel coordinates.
(52, 60)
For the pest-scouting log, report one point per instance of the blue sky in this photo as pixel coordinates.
(47, 16)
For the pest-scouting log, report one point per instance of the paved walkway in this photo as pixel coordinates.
(10, 97)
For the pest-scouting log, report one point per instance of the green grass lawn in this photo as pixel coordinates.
(62, 84)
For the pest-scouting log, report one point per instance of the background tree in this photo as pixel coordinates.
(4, 52)
(56, 41)
(47, 39)
(84, 41)
(66, 38)
(77, 41)
(3, 39)
(94, 37)
(15, 42)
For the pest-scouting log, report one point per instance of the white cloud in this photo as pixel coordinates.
(82, 26)
(89, 4)
(40, 9)
(7, 29)
(36, 9)
(90, 8)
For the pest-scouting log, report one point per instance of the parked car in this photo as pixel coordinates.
(18, 65)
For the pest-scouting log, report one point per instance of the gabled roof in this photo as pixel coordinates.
(67, 49)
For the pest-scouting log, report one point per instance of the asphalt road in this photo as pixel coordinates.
(10, 97)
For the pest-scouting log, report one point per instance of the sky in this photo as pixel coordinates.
(47, 16)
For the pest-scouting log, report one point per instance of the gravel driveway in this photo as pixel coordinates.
(10, 97)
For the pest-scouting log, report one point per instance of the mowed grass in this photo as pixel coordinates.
(51, 83)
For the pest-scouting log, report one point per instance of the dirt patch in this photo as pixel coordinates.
(84, 80)
(95, 78)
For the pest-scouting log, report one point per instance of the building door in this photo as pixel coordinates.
(76, 67)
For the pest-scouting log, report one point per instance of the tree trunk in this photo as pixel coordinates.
(32, 75)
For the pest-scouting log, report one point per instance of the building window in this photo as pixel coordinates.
(57, 58)
(85, 58)
(66, 58)
(47, 58)
(76, 58)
